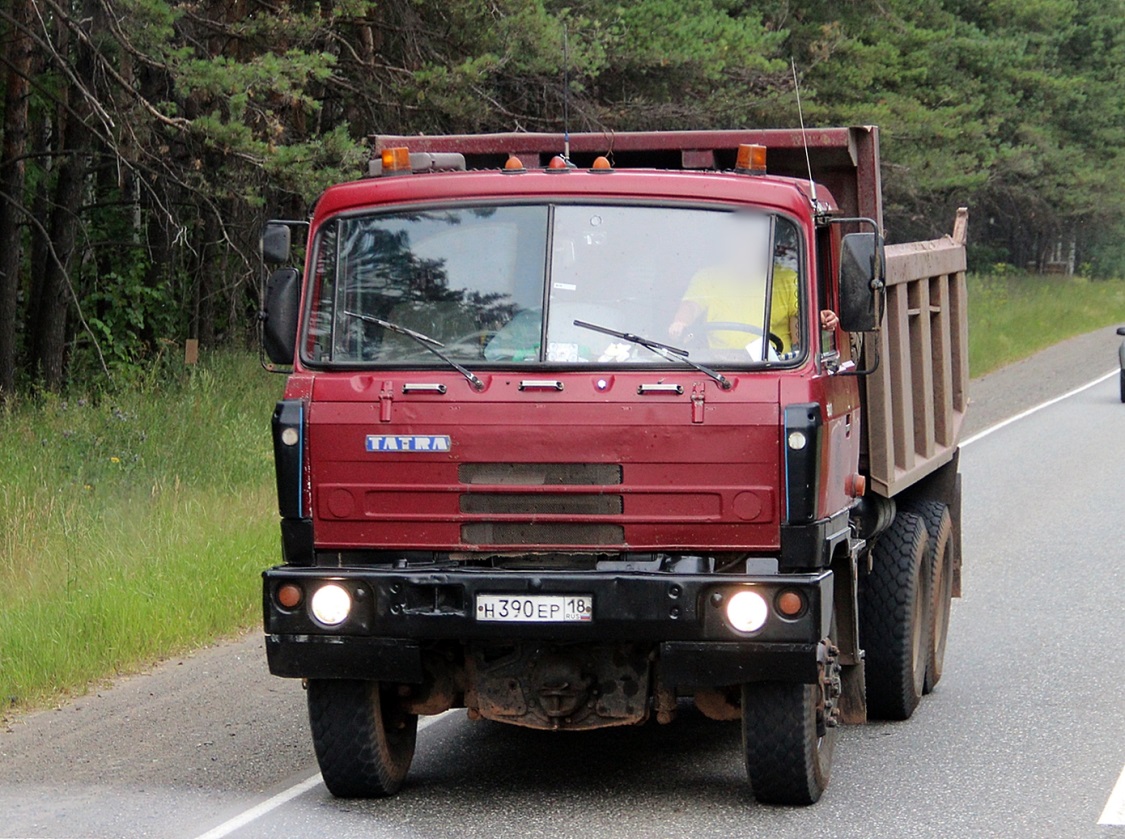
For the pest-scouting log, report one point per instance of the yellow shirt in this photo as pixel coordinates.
(722, 296)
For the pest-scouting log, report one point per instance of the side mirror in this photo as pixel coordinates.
(279, 317)
(861, 282)
(276, 243)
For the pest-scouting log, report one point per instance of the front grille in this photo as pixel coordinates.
(540, 474)
(563, 533)
(546, 504)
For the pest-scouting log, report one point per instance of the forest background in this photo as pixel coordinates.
(145, 141)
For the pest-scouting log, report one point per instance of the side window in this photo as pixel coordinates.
(318, 335)
(785, 305)
(825, 297)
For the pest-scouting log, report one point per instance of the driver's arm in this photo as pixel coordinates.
(687, 313)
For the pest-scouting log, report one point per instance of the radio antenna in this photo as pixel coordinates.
(566, 94)
(804, 136)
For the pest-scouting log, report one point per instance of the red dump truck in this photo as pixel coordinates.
(581, 429)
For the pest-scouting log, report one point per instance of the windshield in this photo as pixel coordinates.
(504, 285)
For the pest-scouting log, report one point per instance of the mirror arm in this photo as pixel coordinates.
(874, 366)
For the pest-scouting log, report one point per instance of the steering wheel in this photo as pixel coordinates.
(732, 326)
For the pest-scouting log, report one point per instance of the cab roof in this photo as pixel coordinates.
(626, 185)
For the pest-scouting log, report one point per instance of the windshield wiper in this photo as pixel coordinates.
(426, 341)
(663, 350)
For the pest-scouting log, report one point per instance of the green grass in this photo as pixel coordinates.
(132, 526)
(1012, 316)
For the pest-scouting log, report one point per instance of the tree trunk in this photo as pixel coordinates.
(48, 333)
(205, 283)
(43, 145)
(18, 60)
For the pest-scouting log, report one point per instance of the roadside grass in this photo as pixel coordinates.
(133, 525)
(1012, 316)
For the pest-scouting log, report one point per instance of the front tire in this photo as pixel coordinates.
(363, 742)
(1123, 385)
(788, 750)
(894, 619)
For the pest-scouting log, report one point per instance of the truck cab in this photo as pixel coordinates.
(572, 438)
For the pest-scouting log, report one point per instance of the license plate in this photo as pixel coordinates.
(536, 608)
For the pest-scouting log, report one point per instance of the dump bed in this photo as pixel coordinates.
(915, 400)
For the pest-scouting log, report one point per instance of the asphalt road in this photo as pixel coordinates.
(1025, 735)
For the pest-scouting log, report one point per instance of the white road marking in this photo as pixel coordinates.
(284, 797)
(257, 811)
(1038, 408)
(1114, 812)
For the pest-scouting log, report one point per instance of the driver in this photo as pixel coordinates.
(733, 292)
(728, 295)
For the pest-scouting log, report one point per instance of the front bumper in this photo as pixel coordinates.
(398, 614)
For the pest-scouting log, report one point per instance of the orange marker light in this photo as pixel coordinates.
(601, 163)
(790, 604)
(751, 159)
(396, 159)
(557, 162)
(513, 162)
(289, 595)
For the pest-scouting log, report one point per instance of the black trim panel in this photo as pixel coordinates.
(313, 657)
(802, 466)
(289, 459)
(693, 664)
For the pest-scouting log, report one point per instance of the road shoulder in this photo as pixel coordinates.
(1047, 374)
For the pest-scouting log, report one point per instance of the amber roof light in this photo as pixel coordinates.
(751, 159)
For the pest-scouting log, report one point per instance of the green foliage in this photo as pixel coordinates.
(1012, 108)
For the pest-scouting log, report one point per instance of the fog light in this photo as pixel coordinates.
(290, 437)
(288, 595)
(797, 440)
(747, 610)
(331, 604)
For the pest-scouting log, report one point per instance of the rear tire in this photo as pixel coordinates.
(939, 526)
(363, 743)
(894, 619)
(787, 761)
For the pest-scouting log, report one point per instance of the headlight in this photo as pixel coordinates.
(747, 611)
(331, 604)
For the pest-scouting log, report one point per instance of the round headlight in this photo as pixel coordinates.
(747, 611)
(330, 604)
(797, 440)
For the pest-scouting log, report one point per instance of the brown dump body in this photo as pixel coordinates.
(916, 398)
